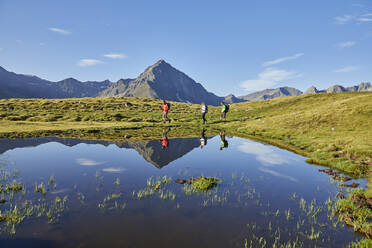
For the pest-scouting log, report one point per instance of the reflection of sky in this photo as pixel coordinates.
(113, 170)
(88, 162)
(277, 174)
(264, 154)
(267, 156)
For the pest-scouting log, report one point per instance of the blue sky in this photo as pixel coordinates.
(228, 46)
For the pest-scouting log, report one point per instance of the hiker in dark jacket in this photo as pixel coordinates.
(204, 111)
(224, 110)
(165, 108)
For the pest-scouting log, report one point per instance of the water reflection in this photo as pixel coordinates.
(224, 142)
(263, 192)
(203, 139)
(164, 140)
(149, 150)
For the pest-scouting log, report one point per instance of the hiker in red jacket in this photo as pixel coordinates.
(165, 109)
(164, 140)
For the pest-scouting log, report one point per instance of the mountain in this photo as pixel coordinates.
(271, 93)
(150, 150)
(162, 81)
(313, 90)
(232, 99)
(14, 85)
(365, 86)
(71, 87)
(336, 89)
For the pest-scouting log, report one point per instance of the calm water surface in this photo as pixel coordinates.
(264, 195)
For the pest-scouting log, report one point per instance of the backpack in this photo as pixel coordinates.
(168, 103)
(227, 108)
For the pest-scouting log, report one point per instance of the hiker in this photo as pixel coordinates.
(224, 143)
(203, 139)
(164, 140)
(224, 110)
(165, 108)
(204, 111)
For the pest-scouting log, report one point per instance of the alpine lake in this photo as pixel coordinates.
(67, 192)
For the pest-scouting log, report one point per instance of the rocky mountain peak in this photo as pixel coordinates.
(335, 89)
(311, 90)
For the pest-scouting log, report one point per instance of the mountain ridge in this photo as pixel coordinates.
(160, 80)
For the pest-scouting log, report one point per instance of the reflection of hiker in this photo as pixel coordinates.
(203, 139)
(164, 140)
(165, 108)
(224, 143)
(224, 110)
(204, 111)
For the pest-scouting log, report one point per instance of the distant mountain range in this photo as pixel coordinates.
(160, 81)
(338, 88)
(14, 85)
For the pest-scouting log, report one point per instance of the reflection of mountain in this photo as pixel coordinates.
(150, 150)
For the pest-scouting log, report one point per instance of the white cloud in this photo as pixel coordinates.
(347, 69)
(264, 154)
(267, 157)
(268, 78)
(116, 56)
(369, 14)
(365, 19)
(60, 31)
(88, 162)
(280, 60)
(345, 44)
(113, 170)
(277, 174)
(343, 19)
(19, 41)
(88, 62)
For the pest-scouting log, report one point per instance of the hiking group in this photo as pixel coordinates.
(203, 109)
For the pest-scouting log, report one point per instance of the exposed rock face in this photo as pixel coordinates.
(365, 87)
(232, 99)
(311, 90)
(271, 93)
(162, 81)
(336, 89)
